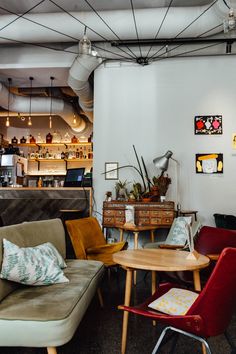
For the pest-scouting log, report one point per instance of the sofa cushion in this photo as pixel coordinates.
(40, 265)
(49, 315)
(30, 234)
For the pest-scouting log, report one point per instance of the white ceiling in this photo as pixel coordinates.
(20, 61)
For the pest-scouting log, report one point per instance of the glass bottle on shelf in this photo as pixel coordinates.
(81, 153)
(77, 153)
(62, 155)
(47, 154)
(49, 138)
(23, 140)
(14, 140)
(39, 138)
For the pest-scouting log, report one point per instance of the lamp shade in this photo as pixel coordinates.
(162, 162)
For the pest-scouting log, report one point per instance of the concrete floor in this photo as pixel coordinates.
(100, 329)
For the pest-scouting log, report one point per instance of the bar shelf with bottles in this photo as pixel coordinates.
(71, 154)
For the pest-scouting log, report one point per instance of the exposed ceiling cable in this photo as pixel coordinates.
(135, 25)
(84, 24)
(102, 19)
(158, 31)
(186, 52)
(109, 51)
(19, 16)
(190, 24)
(40, 24)
(49, 28)
(180, 45)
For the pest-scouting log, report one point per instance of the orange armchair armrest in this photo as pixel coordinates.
(107, 248)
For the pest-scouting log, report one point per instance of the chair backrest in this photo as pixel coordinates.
(212, 240)
(178, 234)
(84, 233)
(216, 302)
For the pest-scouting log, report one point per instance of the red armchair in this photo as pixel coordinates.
(210, 242)
(211, 312)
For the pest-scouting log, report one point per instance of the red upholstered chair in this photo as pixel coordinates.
(210, 242)
(211, 312)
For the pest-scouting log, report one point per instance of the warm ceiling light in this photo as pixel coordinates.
(50, 115)
(29, 119)
(8, 103)
(85, 44)
(229, 23)
(74, 119)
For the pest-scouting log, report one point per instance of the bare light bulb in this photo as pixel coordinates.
(8, 122)
(29, 121)
(85, 45)
(74, 120)
(50, 122)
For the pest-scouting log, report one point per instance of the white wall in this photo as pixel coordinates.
(153, 107)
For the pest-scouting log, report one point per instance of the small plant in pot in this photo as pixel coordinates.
(161, 183)
(121, 190)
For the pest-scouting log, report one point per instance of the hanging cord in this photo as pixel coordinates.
(161, 56)
(152, 56)
(75, 18)
(53, 30)
(158, 31)
(135, 25)
(102, 19)
(50, 116)
(22, 15)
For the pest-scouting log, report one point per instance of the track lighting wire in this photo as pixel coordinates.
(184, 29)
(180, 45)
(49, 28)
(22, 15)
(135, 25)
(158, 31)
(102, 19)
(187, 52)
(81, 22)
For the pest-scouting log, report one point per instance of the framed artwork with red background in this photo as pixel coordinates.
(208, 125)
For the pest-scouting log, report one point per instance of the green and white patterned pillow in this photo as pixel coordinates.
(40, 265)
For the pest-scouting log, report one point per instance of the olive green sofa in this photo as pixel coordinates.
(45, 316)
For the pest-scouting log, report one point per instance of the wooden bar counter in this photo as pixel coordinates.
(27, 204)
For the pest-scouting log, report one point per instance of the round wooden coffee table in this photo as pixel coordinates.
(155, 260)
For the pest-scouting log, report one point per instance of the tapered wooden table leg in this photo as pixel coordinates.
(196, 280)
(152, 236)
(154, 286)
(121, 235)
(135, 247)
(51, 350)
(128, 285)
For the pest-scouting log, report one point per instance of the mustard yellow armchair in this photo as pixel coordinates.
(89, 242)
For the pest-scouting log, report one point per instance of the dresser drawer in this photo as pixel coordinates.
(166, 221)
(156, 213)
(144, 221)
(119, 213)
(142, 213)
(108, 220)
(108, 212)
(119, 221)
(156, 221)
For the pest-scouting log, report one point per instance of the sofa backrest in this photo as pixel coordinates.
(31, 234)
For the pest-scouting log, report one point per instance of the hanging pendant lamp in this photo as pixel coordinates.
(8, 103)
(29, 119)
(50, 116)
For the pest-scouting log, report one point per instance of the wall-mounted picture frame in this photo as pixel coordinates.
(208, 125)
(211, 163)
(234, 140)
(111, 170)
